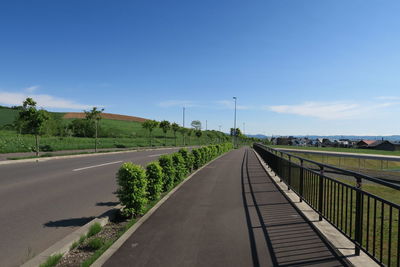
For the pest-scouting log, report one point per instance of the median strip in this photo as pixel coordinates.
(95, 166)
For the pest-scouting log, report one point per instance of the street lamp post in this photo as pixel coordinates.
(234, 125)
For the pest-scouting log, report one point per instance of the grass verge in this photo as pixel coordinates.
(52, 260)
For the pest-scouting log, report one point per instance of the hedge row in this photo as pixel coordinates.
(137, 186)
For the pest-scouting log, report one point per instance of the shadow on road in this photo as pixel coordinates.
(108, 204)
(286, 237)
(73, 222)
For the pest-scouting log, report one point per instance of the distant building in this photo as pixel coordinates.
(365, 143)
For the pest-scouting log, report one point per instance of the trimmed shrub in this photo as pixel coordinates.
(197, 158)
(168, 171)
(155, 180)
(132, 188)
(188, 157)
(180, 167)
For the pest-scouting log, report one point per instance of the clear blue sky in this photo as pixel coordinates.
(296, 67)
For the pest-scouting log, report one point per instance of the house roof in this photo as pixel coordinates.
(368, 142)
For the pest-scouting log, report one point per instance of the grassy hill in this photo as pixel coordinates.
(116, 131)
(7, 116)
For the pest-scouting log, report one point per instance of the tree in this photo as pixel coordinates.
(150, 125)
(94, 115)
(183, 132)
(238, 132)
(32, 119)
(165, 126)
(199, 133)
(175, 127)
(196, 124)
(189, 133)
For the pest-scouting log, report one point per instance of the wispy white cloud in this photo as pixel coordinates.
(43, 101)
(31, 89)
(177, 103)
(230, 104)
(331, 110)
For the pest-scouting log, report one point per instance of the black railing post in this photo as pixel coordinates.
(289, 173)
(301, 180)
(321, 191)
(358, 219)
(280, 167)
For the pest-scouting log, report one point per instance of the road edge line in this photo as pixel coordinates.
(121, 240)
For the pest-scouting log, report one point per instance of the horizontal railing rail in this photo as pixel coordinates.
(371, 222)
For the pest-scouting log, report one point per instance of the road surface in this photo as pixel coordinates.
(42, 202)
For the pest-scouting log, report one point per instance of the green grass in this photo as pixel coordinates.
(353, 163)
(94, 229)
(340, 149)
(95, 243)
(52, 260)
(7, 116)
(338, 206)
(11, 142)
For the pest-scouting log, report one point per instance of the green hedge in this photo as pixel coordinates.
(180, 167)
(154, 176)
(137, 186)
(188, 157)
(168, 170)
(132, 191)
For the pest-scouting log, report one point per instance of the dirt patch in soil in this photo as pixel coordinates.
(81, 115)
(109, 232)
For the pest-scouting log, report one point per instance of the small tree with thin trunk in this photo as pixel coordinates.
(165, 126)
(183, 132)
(175, 127)
(150, 125)
(94, 115)
(33, 119)
(199, 133)
(189, 133)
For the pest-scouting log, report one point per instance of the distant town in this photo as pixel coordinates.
(343, 142)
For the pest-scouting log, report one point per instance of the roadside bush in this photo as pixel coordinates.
(180, 167)
(204, 155)
(188, 157)
(46, 148)
(132, 188)
(197, 158)
(168, 171)
(155, 180)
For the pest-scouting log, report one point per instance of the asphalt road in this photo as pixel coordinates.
(42, 202)
(229, 214)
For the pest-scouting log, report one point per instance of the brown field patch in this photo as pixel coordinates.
(81, 115)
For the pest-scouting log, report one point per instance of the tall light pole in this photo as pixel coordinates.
(183, 124)
(234, 125)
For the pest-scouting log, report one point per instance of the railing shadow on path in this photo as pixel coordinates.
(278, 234)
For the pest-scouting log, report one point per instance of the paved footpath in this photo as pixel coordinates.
(229, 214)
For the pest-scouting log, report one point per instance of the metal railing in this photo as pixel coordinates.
(371, 222)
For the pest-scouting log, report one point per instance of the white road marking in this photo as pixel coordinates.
(94, 166)
(156, 155)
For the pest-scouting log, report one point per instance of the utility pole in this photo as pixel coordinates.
(234, 125)
(183, 124)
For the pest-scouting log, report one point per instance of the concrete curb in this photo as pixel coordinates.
(331, 234)
(7, 162)
(63, 246)
(119, 242)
